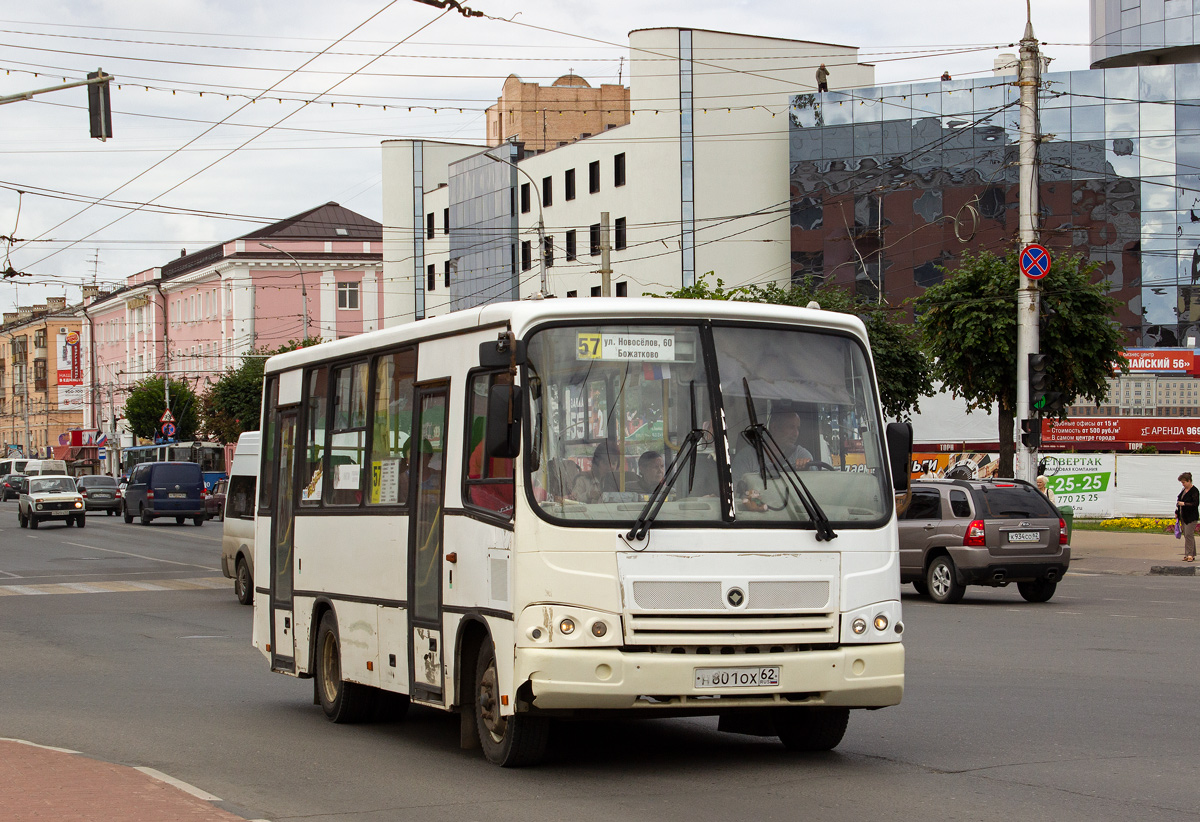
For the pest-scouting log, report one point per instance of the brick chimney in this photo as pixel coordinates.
(56, 303)
(10, 317)
(91, 291)
(24, 312)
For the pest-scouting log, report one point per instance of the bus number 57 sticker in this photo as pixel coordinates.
(588, 346)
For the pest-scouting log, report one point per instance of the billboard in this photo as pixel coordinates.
(1093, 431)
(1083, 481)
(955, 465)
(68, 352)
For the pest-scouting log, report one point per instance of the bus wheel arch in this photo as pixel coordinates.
(508, 741)
(342, 701)
(472, 635)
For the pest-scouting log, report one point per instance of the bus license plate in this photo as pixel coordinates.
(1024, 536)
(178, 496)
(736, 677)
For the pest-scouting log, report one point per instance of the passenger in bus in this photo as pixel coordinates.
(606, 461)
(651, 468)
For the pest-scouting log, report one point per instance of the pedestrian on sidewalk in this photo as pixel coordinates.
(1187, 507)
(822, 78)
(1046, 490)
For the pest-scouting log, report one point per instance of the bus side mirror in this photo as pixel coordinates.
(502, 352)
(899, 444)
(503, 436)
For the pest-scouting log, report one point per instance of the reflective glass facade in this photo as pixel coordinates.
(484, 220)
(1128, 32)
(888, 184)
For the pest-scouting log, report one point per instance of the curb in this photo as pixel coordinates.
(1173, 570)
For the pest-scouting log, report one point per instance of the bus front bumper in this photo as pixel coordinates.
(854, 676)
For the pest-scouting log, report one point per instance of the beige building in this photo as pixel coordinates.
(546, 117)
(41, 376)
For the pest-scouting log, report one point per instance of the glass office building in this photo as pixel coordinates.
(891, 184)
(1144, 32)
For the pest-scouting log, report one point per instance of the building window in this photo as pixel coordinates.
(526, 255)
(595, 291)
(39, 375)
(621, 239)
(39, 338)
(619, 169)
(347, 295)
(446, 272)
(622, 289)
(594, 177)
(594, 238)
(572, 294)
(445, 221)
(430, 277)
(547, 192)
(548, 251)
(571, 245)
(524, 198)
(569, 184)
(429, 230)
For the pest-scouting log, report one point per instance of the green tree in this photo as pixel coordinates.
(968, 324)
(145, 405)
(233, 403)
(901, 367)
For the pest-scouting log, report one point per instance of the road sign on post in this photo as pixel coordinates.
(1035, 261)
(167, 416)
(168, 429)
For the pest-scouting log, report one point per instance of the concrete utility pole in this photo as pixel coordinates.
(605, 249)
(1027, 289)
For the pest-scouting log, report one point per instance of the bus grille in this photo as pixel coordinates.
(665, 628)
(708, 595)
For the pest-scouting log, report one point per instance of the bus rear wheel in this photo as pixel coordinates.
(811, 729)
(342, 702)
(508, 741)
(243, 583)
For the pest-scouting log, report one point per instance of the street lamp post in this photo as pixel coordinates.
(303, 288)
(541, 225)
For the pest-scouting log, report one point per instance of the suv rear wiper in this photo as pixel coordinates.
(687, 450)
(768, 449)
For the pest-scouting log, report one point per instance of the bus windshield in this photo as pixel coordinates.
(613, 404)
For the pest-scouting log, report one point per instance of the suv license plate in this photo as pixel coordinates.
(736, 677)
(178, 496)
(1024, 536)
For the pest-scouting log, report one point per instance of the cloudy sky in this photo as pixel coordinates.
(207, 164)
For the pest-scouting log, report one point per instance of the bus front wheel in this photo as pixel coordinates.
(508, 741)
(341, 701)
(811, 729)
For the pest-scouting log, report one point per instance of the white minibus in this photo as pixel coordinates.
(237, 536)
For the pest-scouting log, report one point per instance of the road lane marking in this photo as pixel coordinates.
(115, 587)
(141, 556)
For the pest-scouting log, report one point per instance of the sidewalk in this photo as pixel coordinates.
(38, 783)
(1101, 552)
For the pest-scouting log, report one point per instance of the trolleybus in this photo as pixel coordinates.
(209, 455)
(539, 511)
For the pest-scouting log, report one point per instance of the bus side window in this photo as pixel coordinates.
(316, 402)
(391, 428)
(488, 480)
(348, 440)
(266, 500)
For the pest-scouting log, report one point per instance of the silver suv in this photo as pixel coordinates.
(957, 533)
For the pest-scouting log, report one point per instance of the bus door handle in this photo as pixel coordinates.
(452, 557)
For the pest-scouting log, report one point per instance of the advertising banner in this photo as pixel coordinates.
(70, 372)
(1083, 481)
(955, 465)
(1106, 430)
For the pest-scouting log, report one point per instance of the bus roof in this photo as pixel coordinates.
(523, 315)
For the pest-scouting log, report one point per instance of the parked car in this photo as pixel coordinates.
(957, 533)
(100, 493)
(214, 504)
(237, 539)
(11, 486)
(165, 489)
(50, 497)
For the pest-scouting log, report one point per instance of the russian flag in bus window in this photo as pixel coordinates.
(656, 372)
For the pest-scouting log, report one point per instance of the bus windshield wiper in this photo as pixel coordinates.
(687, 450)
(768, 450)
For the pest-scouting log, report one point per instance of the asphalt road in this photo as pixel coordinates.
(1083, 708)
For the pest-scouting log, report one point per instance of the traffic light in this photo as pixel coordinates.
(1031, 433)
(99, 108)
(1040, 400)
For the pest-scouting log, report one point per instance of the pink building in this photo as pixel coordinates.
(318, 274)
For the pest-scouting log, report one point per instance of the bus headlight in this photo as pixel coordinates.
(599, 628)
(881, 622)
(873, 623)
(859, 625)
(566, 627)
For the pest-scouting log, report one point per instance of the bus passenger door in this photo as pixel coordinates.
(283, 522)
(428, 455)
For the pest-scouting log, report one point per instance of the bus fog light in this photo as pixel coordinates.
(599, 629)
(899, 627)
(566, 626)
(881, 623)
(536, 633)
(859, 625)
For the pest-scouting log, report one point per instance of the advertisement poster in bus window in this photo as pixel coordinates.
(955, 465)
(69, 371)
(1083, 481)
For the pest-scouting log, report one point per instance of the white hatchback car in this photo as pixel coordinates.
(51, 497)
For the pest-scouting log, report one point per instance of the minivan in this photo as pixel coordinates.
(37, 468)
(166, 489)
(237, 540)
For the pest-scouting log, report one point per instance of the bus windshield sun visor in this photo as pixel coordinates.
(768, 450)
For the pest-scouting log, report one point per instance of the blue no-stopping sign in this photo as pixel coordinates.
(1035, 261)
(168, 429)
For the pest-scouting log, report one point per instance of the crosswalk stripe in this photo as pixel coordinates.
(115, 586)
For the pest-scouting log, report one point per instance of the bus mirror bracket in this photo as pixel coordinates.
(504, 352)
(899, 444)
(503, 422)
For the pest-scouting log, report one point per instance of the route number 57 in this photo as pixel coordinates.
(588, 346)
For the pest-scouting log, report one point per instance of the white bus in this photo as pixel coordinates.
(471, 512)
